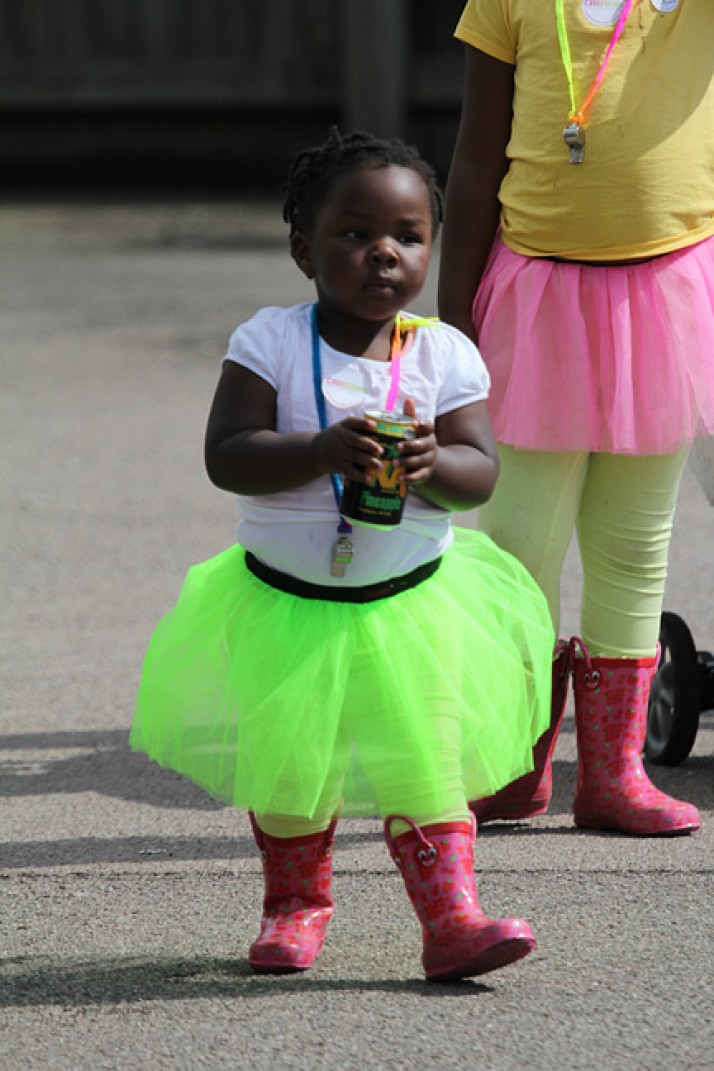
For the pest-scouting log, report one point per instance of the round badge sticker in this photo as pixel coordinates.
(665, 6)
(345, 388)
(602, 12)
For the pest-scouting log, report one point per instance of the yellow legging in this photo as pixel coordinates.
(409, 792)
(417, 804)
(622, 509)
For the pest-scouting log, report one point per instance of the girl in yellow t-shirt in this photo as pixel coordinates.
(577, 252)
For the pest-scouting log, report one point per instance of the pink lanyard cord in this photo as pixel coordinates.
(577, 115)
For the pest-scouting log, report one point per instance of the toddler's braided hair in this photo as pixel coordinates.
(313, 171)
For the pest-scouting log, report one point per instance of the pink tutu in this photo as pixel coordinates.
(614, 359)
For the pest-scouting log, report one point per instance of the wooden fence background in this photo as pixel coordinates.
(243, 81)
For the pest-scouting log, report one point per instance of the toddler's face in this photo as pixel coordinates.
(369, 249)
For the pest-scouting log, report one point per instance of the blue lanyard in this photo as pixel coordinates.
(343, 526)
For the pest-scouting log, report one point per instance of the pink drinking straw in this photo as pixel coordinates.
(395, 359)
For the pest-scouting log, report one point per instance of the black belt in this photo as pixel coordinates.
(632, 263)
(369, 593)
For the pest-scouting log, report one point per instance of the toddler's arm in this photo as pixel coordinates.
(246, 455)
(455, 463)
(471, 209)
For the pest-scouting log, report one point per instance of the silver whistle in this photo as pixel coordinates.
(574, 138)
(342, 554)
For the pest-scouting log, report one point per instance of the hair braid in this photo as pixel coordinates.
(313, 171)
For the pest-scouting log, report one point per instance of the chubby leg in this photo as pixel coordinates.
(532, 515)
(459, 940)
(624, 527)
(613, 789)
(297, 904)
(624, 531)
(297, 871)
(430, 835)
(529, 795)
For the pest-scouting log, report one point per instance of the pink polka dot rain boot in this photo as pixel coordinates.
(436, 863)
(613, 789)
(297, 905)
(530, 794)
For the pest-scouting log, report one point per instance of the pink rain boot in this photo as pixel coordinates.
(613, 789)
(297, 905)
(530, 794)
(459, 940)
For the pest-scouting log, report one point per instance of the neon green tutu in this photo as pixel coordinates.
(410, 704)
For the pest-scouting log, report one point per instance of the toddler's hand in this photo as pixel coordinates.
(418, 455)
(347, 448)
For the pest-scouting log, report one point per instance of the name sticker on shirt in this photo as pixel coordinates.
(346, 388)
(602, 12)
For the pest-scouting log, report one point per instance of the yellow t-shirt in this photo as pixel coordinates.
(646, 184)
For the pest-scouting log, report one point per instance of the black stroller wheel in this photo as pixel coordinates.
(674, 704)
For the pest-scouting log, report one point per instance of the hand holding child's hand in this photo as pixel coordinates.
(418, 455)
(347, 448)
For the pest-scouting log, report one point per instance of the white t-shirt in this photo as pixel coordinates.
(294, 531)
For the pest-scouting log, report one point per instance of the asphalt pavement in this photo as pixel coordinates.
(129, 899)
